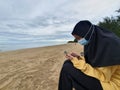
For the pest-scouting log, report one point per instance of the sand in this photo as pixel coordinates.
(35, 68)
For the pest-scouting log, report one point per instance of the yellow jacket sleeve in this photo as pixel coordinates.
(103, 73)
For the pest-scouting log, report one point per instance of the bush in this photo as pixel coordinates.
(75, 41)
(112, 24)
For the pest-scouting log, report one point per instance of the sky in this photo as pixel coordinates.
(35, 23)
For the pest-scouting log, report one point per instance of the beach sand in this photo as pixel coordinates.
(35, 68)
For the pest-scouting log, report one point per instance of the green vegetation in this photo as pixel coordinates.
(75, 41)
(112, 23)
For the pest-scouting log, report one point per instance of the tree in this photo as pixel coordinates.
(75, 41)
(112, 24)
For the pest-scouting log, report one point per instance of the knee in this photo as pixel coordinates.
(67, 65)
(67, 61)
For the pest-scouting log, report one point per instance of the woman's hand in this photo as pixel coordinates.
(72, 55)
(69, 56)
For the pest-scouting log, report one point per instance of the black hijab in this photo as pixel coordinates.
(103, 48)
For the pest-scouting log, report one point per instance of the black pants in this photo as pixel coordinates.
(70, 78)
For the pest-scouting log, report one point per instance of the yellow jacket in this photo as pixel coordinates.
(109, 76)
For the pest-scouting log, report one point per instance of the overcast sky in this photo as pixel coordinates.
(53, 20)
(80, 9)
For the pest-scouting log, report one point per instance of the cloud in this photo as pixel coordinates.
(77, 10)
(23, 21)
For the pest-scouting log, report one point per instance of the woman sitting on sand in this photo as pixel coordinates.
(99, 69)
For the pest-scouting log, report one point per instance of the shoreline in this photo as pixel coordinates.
(3, 51)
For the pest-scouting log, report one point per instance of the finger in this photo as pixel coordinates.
(74, 54)
(69, 57)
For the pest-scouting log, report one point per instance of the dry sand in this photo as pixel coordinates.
(33, 69)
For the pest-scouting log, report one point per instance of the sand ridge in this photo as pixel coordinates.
(35, 68)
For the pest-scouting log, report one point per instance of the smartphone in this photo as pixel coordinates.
(65, 52)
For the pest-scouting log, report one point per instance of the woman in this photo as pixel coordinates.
(99, 69)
